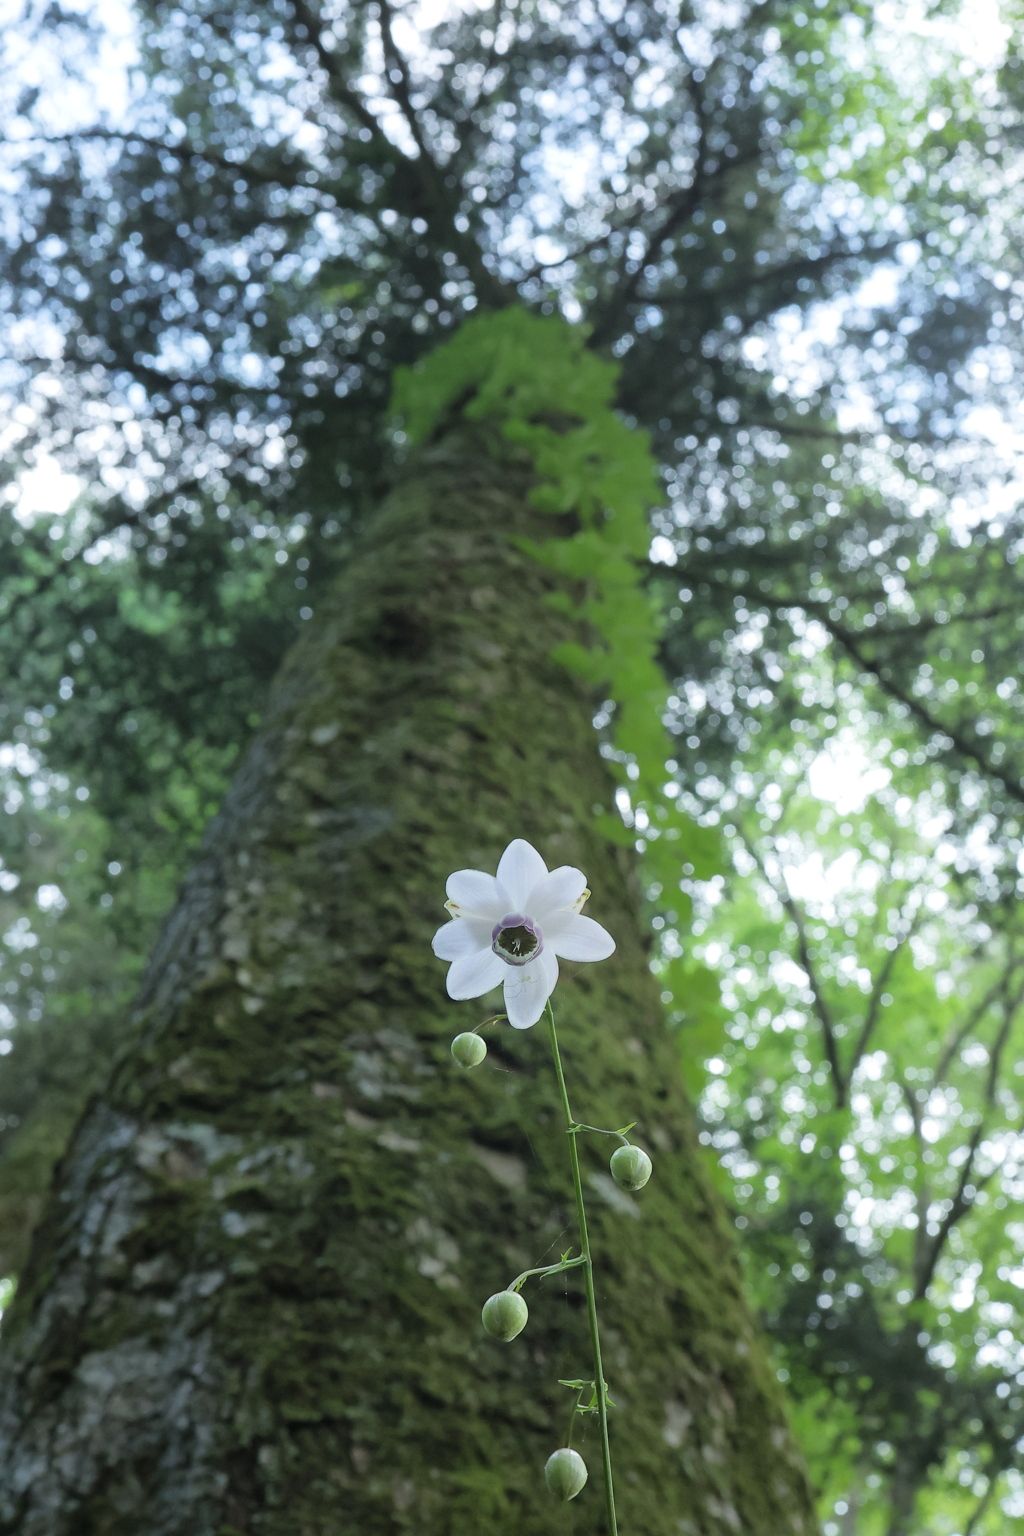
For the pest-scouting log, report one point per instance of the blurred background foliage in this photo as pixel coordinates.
(795, 228)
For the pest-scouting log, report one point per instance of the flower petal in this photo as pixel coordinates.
(582, 939)
(474, 894)
(473, 975)
(562, 888)
(527, 989)
(462, 937)
(556, 923)
(520, 868)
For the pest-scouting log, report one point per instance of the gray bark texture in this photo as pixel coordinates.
(253, 1301)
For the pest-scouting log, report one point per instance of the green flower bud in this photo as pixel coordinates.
(631, 1167)
(504, 1315)
(565, 1472)
(469, 1050)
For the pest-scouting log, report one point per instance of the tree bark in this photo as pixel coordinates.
(253, 1302)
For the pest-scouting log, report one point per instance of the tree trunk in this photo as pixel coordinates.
(905, 1484)
(253, 1303)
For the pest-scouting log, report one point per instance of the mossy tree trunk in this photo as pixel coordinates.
(253, 1303)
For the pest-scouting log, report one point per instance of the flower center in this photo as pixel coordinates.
(516, 939)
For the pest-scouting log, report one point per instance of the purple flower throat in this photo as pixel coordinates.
(516, 939)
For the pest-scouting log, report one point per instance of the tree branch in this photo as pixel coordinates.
(339, 86)
(398, 67)
(879, 985)
(819, 605)
(923, 1200)
(966, 744)
(421, 170)
(982, 1505)
(809, 265)
(430, 173)
(961, 1202)
(687, 202)
(182, 150)
(840, 1081)
(958, 1206)
(956, 1037)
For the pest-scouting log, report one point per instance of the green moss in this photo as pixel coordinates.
(551, 397)
(253, 1305)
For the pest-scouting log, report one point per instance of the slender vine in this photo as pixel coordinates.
(505, 1314)
(600, 1385)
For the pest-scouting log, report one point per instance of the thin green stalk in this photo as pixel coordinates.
(600, 1131)
(588, 1277)
(572, 1416)
(549, 1269)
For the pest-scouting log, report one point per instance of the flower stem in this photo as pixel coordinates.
(549, 1269)
(600, 1131)
(572, 1417)
(600, 1390)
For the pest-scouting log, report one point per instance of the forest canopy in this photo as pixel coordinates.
(794, 230)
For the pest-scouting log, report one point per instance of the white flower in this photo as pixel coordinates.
(510, 928)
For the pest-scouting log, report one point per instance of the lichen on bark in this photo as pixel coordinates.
(253, 1301)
